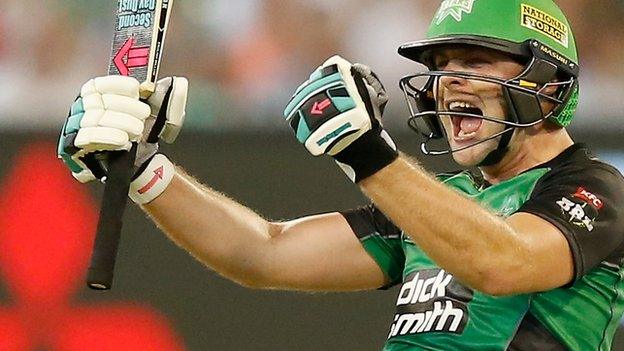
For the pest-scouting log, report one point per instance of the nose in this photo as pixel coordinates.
(449, 81)
(452, 81)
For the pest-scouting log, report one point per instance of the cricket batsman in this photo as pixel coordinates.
(524, 256)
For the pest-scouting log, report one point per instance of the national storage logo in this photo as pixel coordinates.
(546, 24)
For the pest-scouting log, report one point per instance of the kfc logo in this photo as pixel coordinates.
(588, 197)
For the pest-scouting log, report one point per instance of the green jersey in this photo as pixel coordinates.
(574, 192)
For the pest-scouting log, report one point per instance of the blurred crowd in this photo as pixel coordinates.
(244, 58)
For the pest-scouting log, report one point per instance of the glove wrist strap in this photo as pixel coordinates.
(151, 179)
(367, 155)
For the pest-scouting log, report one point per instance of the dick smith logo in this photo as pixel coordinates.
(430, 301)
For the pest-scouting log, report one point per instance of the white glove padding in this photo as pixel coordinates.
(173, 91)
(152, 180)
(168, 111)
(113, 115)
(108, 116)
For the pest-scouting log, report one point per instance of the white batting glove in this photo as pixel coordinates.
(109, 116)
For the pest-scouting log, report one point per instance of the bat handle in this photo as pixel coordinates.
(120, 170)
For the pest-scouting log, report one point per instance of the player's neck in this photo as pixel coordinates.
(534, 149)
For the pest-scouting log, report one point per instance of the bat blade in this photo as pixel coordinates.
(140, 31)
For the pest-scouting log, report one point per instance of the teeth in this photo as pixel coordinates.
(460, 104)
(465, 136)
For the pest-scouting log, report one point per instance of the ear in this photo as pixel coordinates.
(544, 126)
(536, 129)
(550, 90)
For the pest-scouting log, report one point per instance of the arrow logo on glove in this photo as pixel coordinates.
(134, 57)
(158, 174)
(319, 106)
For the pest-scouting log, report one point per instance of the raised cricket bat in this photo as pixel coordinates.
(140, 31)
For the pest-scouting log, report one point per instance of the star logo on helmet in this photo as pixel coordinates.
(454, 8)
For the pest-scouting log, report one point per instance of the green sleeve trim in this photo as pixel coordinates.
(388, 254)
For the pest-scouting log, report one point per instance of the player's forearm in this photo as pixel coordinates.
(456, 233)
(219, 232)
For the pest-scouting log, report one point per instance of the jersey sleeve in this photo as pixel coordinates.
(586, 203)
(381, 239)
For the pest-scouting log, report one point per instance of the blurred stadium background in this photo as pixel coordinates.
(244, 58)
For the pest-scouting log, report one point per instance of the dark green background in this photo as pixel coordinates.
(274, 175)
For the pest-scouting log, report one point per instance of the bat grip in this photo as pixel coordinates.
(120, 170)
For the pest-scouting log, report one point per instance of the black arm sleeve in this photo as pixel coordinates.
(381, 239)
(585, 200)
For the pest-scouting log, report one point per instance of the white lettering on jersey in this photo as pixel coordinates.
(422, 290)
(442, 315)
(576, 213)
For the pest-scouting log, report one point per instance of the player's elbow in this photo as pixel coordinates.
(254, 284)
(255, 279)
(248, 273)
(259, 277)
(500, 282)
(493, 287)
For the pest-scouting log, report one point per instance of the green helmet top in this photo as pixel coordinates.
(507, 26)
(511, 20)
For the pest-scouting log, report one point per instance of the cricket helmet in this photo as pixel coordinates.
(534, 32)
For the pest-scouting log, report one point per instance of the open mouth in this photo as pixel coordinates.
(464, 127)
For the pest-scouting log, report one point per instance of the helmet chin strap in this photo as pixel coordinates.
(496, 155)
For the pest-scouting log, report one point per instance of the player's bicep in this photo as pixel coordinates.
(320, 253)
(551, 263)
(584, 206)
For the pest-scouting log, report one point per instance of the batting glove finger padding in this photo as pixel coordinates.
(108, 115)
(100, 139)
(118, 103)
(120, 121)
(111, 108)
(115, 85)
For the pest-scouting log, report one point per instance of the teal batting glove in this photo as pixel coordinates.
(337, 112)
(66, 148)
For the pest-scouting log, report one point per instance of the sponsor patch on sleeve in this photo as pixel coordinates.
(581, 208)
